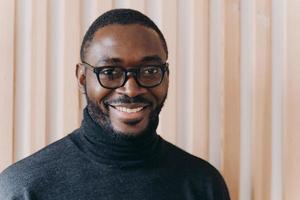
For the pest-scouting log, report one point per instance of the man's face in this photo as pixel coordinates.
(130, 109)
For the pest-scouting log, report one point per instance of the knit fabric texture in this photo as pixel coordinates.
(92, 164)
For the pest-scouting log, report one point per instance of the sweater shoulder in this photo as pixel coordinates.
(177, 154)
(195, 172)
(34, 169)
(186, 162)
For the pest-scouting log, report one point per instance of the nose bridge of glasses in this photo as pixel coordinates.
(131, 85)
(132, 72)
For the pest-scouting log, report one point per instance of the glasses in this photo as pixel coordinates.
(112, 77)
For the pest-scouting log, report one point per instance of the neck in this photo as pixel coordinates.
(115, 148)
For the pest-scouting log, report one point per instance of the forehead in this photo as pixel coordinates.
(126, 42)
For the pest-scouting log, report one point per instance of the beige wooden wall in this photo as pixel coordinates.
(234, 94)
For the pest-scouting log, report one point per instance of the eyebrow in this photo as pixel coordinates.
(110, 60)
(151, 58)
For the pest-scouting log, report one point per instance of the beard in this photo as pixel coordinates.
(101, 116)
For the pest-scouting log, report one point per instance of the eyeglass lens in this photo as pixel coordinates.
(114, 77)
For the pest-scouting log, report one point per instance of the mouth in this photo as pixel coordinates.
(129, 112)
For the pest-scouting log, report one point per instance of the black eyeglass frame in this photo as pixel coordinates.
(132, 71)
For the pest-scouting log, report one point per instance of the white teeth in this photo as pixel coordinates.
(128, 110)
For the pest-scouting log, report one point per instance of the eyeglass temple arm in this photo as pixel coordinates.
(167, 67)
(88, 66)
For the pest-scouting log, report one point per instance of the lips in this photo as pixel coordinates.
(129, 112)
(129, 107)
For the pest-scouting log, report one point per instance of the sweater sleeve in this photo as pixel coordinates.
(217, 189)
(12, 188)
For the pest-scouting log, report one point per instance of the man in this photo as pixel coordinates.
(116, 153)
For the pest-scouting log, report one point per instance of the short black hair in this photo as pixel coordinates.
(119, 16)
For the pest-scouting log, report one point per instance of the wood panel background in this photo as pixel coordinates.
(234, 88)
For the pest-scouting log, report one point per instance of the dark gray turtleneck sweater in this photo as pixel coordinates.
(91, 164)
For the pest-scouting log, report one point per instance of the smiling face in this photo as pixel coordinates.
(130, 109)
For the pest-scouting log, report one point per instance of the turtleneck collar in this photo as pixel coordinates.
(115, 149)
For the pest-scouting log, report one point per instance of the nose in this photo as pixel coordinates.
(131, 88)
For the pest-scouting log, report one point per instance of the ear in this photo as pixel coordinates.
(81, 77)
(167, 75)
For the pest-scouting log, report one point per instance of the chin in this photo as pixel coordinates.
(130, 130)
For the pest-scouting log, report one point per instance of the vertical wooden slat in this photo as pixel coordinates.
(71, 52)
(38, 79)
(89, 12)
(133, 4)
(216, 67)
(166, 12)
(278, 64)
(104, 5)
(7, 22)
(23, 75)
(201, 72)
(154, 9)
(248, 30)
(262, 84)
(121, 3)
(291, 147)
(185, 76)
(231, 146)
(55, 70)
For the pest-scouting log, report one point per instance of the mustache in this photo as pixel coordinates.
(126, 99)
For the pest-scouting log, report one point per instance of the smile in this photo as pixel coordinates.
(126, 113)
(128, 110)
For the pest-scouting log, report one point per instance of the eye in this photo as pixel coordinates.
(110, 71)
(150, 70)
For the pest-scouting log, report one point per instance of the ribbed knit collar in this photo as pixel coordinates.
(113, 149)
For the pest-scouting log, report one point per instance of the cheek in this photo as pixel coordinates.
(161, 91)
(95, 91)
